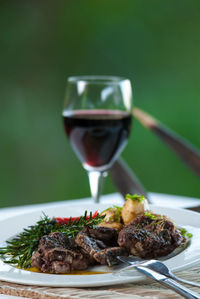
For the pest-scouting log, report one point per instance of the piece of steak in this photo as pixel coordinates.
(150, 236)
(59, 254)
(106, 234)
(101, 244)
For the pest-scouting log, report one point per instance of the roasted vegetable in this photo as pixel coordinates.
(112, 218)
(134, 206)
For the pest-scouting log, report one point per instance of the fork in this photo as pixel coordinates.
(161, 278)
(163, 269)
(158, 267)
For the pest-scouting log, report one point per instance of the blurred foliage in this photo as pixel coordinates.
(154, 43)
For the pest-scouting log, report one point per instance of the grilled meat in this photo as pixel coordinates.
(150, 237)
(101, 244)
(59, 254)
(105, 234)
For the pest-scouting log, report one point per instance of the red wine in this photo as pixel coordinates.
(97, 136)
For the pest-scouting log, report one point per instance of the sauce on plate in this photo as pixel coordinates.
(80, 272)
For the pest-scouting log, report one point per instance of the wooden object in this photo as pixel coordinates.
(182, 148)
(125, 179)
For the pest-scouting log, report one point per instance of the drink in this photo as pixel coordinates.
(98, 133)
(97, 136)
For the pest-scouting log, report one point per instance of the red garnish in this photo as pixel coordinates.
(64, 220)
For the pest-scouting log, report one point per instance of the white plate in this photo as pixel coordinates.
(12, 226)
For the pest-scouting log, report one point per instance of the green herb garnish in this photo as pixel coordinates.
(151, 216)
(189, 235)
(117, 216)
(185, 234)
(19, 250)
(135, 197)
(111, 219)
(118, 213)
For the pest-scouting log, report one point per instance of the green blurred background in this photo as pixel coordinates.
(154, 43)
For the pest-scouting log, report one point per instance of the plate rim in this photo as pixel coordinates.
(105, 279)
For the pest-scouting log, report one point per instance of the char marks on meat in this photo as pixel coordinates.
(59, 254)
(101, 244)
(147, 237)
(150, 237)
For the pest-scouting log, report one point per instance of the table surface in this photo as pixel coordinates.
(157, 199)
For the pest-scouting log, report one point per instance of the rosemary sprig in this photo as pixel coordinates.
(19, 250)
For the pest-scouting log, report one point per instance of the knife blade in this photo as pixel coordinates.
(168, 282)
(160, 278)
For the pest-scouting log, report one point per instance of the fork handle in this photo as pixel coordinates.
(185, 292)
(192, 283)
(168, 282)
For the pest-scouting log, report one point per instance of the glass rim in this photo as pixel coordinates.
(96, 79)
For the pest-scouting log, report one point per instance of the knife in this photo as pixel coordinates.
(168, 282)
(162, 279)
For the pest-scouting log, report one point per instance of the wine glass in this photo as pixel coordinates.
(97, 121)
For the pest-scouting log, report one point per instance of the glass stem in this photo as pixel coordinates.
(96, 184)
